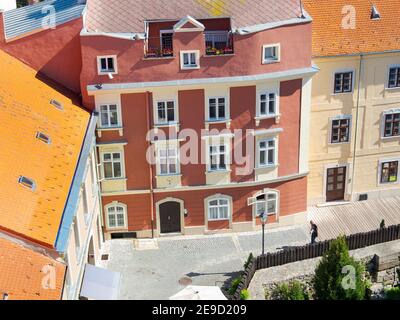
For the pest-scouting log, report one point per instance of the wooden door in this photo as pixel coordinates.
(170, 217)
(336, 184)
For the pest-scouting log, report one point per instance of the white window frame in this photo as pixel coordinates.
(383, 122)
(275, 149)
(105, 72)
(265, 193)
(121, 152)
(119, 119)
(397, 66)
(226, 153)
(340, 117)
(219, 198)
(167, 123)
(380, 163)
(209, 119)
(190, 67)
(259, 101)
(353, 78)
(269, 61)
(167, 146)
(125, 212)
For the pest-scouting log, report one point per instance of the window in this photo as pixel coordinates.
(166, 40)
(109, 116)
(389, 171)
(218, 209)
(116, 216)
(340, 132)
(394, 77)
(166, 112)
(168, 161)
(43, 137)
(85, 205)
(268, 104)
(190, 59)
(218, 157)
(77, 238)
(266, 150)
(343, 82)
(271, 53)
(217, 109)
(392, 124)
(267, 204)
(27, 183)
(112, 163)
(107, 64)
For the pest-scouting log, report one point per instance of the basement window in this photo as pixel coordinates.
(57, 104)
(43, 137)
(26, 182)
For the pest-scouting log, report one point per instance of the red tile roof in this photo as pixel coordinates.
(28, 275)
(128, 16)
(330, 38)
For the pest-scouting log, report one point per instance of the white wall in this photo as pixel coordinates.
(8, 4)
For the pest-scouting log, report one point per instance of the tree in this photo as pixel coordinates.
(339, 276)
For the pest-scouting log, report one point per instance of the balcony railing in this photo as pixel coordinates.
(219, 43)
(160, 47)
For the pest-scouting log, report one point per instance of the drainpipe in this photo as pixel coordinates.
(356, 126)
(150, 166)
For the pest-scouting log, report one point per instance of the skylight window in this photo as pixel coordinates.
(27, 183)
(57, 104)
(43, 137)
(375, 15)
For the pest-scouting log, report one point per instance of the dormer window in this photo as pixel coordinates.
(271, 53)
(27, 183)
(190, 60)
(375, 15)
(107, 65)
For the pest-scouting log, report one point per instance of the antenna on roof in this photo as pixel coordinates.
(375, 15)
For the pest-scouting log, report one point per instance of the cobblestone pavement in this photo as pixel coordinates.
(206, 260)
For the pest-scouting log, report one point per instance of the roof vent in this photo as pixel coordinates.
(26, 182)
(5, 296)
(57, 104)
(375, 15)
(43, 137)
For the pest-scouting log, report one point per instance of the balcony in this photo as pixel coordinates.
(219, 43)
(159, 47)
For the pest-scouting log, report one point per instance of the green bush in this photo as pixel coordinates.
(234, 284)
(244, 294)
(333, 278)
(292, 291)
(249, 259)
(393, 294)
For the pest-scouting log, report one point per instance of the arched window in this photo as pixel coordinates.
(267, 202)
(219, 208)
(116, 216)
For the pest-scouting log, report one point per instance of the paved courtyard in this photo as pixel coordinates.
(207, 260)
(212, 260)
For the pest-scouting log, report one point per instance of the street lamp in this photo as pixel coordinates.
(264, 218)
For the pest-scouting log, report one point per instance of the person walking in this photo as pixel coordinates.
(313, 232)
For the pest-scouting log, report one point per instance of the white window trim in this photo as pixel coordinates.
(352, 84)
(383, 123)
(253, 201)
(157, 123)
(119, 115)
(227, 145)
(258, 107)
(121, 152)
(388, 75)
(263, 60)
(276, 142)
(227, 113)
(117, 204)
(382, 161)
(101, 72)
(168, 144)
(197, 53)
(163, 32)
(339, 117)
(218, 197)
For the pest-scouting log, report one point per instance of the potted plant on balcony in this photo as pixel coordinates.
(167, 52)
(151, 53)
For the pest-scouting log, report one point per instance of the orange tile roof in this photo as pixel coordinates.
(26, 274)
(329, 38)
(25, 109)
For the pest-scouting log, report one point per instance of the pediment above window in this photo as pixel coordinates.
(189, 24)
